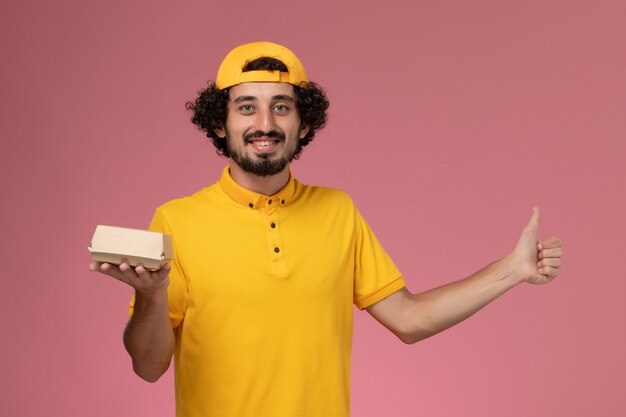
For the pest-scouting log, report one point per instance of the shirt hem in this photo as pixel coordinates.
(385, 291)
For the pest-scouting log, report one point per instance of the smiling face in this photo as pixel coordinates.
(263, 127)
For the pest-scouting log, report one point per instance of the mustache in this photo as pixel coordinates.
(259, 134)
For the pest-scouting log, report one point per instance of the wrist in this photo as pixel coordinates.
(511, 270)
(153, 296)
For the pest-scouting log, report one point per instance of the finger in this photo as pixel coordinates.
(551, 262)
(161, 274)
(547, 271)
(145, 274)
(551, 253)
(94, 266)
(164, 272)
(142, 271)
(551, 242)
(128, 273)
(148, 275)
(533, 224)
(105, 266)
(111, 271)
(125, 266)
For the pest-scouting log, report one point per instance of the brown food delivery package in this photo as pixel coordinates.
(113, 244)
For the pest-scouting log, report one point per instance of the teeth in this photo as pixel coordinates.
(264, 143)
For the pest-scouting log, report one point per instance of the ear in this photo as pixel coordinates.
(219, 131)
(304, 129)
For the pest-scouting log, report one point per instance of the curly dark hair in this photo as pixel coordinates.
(210, 107)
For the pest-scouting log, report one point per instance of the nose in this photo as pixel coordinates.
(265, 120)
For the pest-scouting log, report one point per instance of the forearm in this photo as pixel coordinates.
(149, 337)
(413, 317)
(433, 311)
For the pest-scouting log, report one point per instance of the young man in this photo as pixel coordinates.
(256, 307)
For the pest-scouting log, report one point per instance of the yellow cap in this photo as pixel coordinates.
(230, 72)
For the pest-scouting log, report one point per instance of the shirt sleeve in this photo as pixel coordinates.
(375, 275)
(177, 289)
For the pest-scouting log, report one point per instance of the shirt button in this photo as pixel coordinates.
(269, 201)
(276, 250)
(250, 205)
(273, 225)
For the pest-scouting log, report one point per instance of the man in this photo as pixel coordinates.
(256, 306)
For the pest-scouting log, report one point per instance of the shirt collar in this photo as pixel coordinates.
(254, 200)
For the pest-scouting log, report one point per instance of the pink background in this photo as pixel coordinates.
(449, 121)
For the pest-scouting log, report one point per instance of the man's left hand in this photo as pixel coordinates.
(536, 261)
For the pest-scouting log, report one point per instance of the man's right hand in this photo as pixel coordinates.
(143, 281)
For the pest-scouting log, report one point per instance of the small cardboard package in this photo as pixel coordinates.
(114, 244)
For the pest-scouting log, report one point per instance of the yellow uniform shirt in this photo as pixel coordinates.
(261, 294)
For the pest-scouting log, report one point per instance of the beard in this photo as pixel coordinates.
(263, 165)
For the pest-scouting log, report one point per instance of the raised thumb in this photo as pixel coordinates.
(533, 224)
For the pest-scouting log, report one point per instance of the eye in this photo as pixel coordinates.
(281, 108)
(246, 108)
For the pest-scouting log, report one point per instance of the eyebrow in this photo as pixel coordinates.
(283, 97)
(276, 97)
(245, 98)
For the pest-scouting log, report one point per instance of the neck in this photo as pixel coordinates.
(269, 185)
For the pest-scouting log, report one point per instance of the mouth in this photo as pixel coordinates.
(264, 143)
